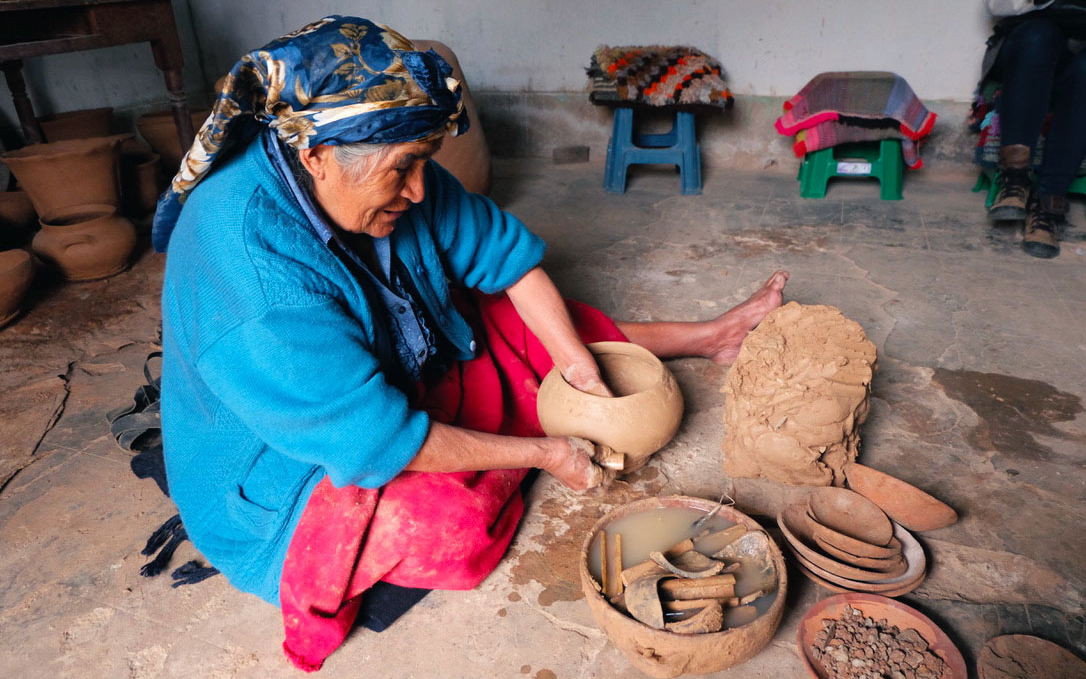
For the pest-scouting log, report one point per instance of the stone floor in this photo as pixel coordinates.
(978, 400)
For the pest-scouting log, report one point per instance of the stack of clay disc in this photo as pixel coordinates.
(845, 543)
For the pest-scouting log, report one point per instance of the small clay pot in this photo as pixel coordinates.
(158, 129)
(140, 183)
(16, 273)
(66, 173)
(662, 653)
(640, 419)
(86, 242)
(850, 513)
(17, 218)
(82, 124)
(904, 502)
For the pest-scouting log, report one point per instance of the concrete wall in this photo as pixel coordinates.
(521, 55)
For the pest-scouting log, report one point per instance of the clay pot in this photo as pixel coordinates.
(1021, 656)
(661, 653)
(904, 502)
(799, 538)
(880, 608)
(467, 156)
(17, 218)
(66, 173)
(850, 513)
(640, 419)
(83, 124)
(16, 272)
(140, 183)
(158, 130)
(86, 242)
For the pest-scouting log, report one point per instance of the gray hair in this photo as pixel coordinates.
(357, 161)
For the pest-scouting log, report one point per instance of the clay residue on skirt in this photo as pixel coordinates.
(796, 395)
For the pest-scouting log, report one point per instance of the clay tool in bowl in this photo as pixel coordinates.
(903, 502)
(850, 513)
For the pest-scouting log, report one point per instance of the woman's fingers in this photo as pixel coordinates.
(586, 377)
(572, 464)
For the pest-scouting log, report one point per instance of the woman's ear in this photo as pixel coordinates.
(315, 160)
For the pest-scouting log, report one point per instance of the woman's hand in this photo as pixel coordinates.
(585, 376)
(570, 461)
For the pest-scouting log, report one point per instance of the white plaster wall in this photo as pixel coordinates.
(768, 47)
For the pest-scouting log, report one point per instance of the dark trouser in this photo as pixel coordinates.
(1040, 75)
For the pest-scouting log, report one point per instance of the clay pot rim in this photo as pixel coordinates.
(798, 544)
(685, 502)
(829, 498)
(906, 492)
(65, 147)
(105, 210)
(628, 349)
(872, 606)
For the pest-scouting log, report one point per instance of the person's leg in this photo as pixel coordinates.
(717, 339)
(1027, 65)
(1065, 147)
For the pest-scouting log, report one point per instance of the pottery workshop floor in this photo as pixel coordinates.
(978, 399)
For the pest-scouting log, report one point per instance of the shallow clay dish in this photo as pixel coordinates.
(906, 582)
(877, 607)
(887, 564)
(903, 502)
(851, 544)
(791, 522)
(850, 513)
(1021, 656)
(664, 654)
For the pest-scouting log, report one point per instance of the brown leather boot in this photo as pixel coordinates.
(1014, 183)
(1046, 219)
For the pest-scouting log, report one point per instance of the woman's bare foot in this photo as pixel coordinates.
(730, 328)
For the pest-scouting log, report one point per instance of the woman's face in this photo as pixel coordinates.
(372, 203)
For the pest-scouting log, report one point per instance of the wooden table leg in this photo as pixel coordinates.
(168, 57)
(13, 72)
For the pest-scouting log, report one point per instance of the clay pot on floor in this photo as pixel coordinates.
(158, 130)
(140, 183)
(17, 218)
(86, 242)
(16, 272)
(83, 124)
(66, 173)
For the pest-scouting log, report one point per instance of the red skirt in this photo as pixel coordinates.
(433, 531)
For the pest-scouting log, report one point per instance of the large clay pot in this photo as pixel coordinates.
(140, 183)
(158, 130)
(665, 654)
(16, 272)
(83, 124)
(65, 173)
(86, 242)
(640, 419)
(467, 157)
(17, 218)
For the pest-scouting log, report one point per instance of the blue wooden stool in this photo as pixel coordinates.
(677, 147)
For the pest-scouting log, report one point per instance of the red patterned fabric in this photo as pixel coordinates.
(435, 531)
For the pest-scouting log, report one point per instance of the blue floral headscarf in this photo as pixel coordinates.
(339, 80)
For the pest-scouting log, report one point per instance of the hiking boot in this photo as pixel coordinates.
(1046, 219)
(1014, 183)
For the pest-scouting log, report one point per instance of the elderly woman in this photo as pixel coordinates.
(337, 411)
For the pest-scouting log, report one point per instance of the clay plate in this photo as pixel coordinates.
(841, 590)
(906, 582)
(904, 502)
(886, 564)
(849, 544)
(877, 607)
(850, 513)
(794, 524)
(1020, 656)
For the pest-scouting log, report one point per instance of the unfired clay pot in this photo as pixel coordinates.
(16, 272)
(86, 242)
(66, 173)
(140, 182)
(662, 653)
(640, 419)
(17, 217)
(83, 124)
(158, 130)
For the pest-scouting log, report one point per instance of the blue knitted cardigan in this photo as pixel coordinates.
(270, 376)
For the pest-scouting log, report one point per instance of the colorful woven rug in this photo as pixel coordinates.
(984, 119)
(658, 75)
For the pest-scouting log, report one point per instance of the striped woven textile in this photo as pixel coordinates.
(658, 75)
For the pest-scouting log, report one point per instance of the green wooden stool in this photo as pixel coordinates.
(988, 181)
(879, 159)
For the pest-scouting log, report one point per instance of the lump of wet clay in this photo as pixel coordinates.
(796, 395)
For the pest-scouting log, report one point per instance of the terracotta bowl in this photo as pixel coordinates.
(877, 607)
(86, 242)
(82, 124)
(903, 502)
(850, 513)
(906, 582)
(158, 130)
(886, 564)
(66, 173)
(792, 523)
(16, 273)
(660, 653)
(850, 544)
(642, 417)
